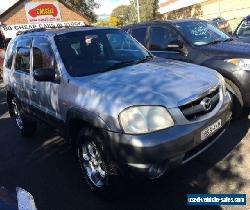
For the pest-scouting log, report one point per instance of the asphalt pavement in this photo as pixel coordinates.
(45, 166)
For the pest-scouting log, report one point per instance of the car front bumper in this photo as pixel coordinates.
(152, 154)
(242, 79)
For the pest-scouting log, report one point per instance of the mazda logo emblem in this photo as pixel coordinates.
(206, 104)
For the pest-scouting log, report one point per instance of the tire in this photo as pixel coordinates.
(26, 126)
(235, 93)
(91, 154)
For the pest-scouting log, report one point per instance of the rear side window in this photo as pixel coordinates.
(140, 35)
(160, 37)
(22, 61)
(43, 56)
(10, 54)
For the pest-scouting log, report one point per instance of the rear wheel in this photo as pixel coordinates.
(235, 93)
(26, 126)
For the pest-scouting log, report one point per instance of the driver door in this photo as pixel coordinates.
(45, 94)
(159, 39)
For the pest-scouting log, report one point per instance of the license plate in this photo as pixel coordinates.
(210, 130)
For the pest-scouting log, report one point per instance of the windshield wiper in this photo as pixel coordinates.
(228, 39)
(144, 59)
(214, 42)
(128, 63)
(120, 65)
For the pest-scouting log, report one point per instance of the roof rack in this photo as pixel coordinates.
(48, 28)
(30, 31)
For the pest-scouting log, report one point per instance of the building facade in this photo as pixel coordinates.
(17, 14)
(231, 10)
(32, 14)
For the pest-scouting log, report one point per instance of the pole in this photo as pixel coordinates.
(138, 11)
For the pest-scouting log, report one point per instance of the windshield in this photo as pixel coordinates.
(244, 29)
(201, 32)
(95, 51)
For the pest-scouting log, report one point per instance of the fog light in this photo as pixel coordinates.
(157, 170)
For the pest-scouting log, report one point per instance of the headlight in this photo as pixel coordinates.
(242, 63)
(222, 82)
(145, 119)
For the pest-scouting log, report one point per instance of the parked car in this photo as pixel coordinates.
(222, 24)
(242, 32)
(199, 42)
(125, 111)
(18, 199)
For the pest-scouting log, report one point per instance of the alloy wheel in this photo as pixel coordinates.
(93, 164)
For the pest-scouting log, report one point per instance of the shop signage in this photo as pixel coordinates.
(37, 12)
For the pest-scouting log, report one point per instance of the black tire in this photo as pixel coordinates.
(90, 136)
(235, 93)
(26, 126)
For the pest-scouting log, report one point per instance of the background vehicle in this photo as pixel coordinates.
(242, 32)
(124, 111)
(222, 24)
(199, 42)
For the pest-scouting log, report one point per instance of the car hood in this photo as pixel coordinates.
(162, 82)
(230, 48)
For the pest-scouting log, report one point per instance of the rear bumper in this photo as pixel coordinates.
(167, 148)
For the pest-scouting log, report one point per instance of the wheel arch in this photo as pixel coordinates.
(76, 119)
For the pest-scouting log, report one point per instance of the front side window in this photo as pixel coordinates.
(201, 32)
(95, 51)
(43, 56)
(22, 61)
(244, 29)
(140, 35)
(160, 37)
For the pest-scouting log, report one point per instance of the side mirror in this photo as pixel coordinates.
(44, 75)
(175, 45)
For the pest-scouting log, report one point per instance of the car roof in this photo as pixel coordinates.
(173, 22)
(57, 31)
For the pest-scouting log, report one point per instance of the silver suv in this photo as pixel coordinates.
(125, 111)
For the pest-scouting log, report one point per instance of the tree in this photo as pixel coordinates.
(85, 7)
(122, 13)
(148, 10)
(114, 22)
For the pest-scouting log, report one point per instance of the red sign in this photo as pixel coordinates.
(44, 9)
(38, 12)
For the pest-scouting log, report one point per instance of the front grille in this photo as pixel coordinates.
(195, 109)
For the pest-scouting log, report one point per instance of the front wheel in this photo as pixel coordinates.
(93, 161)
(26, 126)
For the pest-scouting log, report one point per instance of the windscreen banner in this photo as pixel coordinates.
(10, 31)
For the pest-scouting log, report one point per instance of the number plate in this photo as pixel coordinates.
(210, 130)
